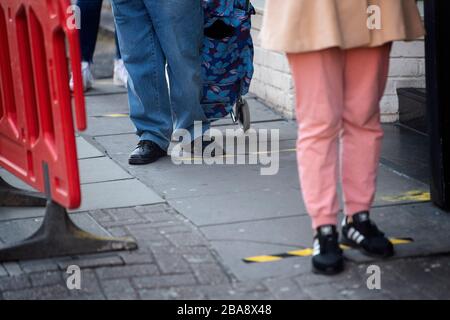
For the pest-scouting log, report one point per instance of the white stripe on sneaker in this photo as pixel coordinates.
(316, 247)
(355, 235)
(360, 239)
(350, 232)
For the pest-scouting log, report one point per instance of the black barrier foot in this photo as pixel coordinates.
(59, 236)
(13, 197)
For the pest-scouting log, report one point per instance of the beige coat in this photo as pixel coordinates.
(309, 25)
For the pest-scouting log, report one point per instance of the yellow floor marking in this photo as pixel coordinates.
(413, 195)
(263, 259)
(302, 252)
(308, 252)
(116, 115)
(400, 241)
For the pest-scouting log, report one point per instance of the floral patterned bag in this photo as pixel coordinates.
(227, 54)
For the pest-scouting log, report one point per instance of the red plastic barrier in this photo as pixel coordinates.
(37, 137)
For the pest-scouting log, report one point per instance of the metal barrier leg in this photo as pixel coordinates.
(13, 197)
(58, 236)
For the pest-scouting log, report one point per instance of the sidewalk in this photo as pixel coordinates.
(196, 223)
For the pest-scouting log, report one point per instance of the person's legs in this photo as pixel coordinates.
(318, 78)
(145, 62)
(90, 20)
(179, 28)
(365, 79)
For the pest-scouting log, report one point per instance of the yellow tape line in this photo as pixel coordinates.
(116, 115)
(308, 252)
(301, 253)
(400, 241)
(413, 195)
(260, 259)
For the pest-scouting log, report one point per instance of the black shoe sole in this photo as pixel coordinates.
(349, 243)
(137, 162)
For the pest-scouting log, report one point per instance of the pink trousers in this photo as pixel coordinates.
(339, 131)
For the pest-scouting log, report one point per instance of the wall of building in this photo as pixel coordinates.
(273, 84)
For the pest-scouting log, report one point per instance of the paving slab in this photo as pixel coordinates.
(293, 232)
(201, 180)
(11, 213)
(205, 181)
(105, 87)
(406, 151)
(101, 126)
(98, 106)
(412, 283)
(116, 194)
(243, 206)
(101, 170)
(266, 196)
(396, 188)
(13, 181)
(236, 241)
(86, 150)
(119, 144)
(232, 252)
(19, 229)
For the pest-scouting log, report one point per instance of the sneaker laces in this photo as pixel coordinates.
(143, 143)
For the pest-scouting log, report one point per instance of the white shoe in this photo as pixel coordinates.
(88, 78)
(120, 74)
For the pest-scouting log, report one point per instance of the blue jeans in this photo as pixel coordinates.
(153, 33)
(90, 20)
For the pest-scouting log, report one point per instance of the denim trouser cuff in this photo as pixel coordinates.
(162, 143)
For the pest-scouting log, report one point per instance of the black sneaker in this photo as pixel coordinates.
(327, 255)
(146, 152)
(362, 233)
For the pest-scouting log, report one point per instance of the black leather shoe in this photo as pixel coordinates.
(363, 234)
(146, 152)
